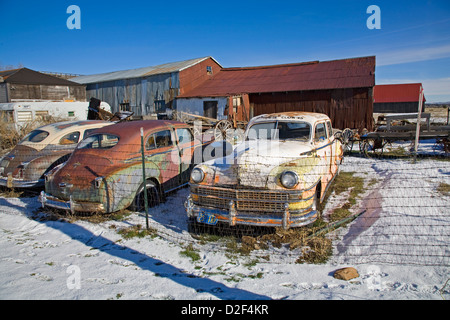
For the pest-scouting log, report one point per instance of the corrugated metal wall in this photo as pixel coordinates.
(140, 93)
(196, 106)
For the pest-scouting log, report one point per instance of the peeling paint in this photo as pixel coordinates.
(110, 178)
(246, 188)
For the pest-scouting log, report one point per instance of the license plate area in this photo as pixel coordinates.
(207, 218)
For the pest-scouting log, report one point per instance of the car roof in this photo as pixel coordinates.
(66, 125)
(58, 129)
(294, 115)
(129, 130)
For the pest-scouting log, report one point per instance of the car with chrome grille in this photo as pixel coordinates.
(276, 178)
(105, 172)
(41, 150)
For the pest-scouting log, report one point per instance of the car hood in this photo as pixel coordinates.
(77, 175)
(256, 163)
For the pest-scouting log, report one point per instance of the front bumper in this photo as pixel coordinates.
(272, 212)
(48, 200)
(11, 182)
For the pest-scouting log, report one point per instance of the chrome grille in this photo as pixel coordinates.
(245, 200)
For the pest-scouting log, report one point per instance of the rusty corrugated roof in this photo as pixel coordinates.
(406, 92)
(314, 75)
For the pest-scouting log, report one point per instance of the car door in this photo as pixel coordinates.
(162, 151)
(333, 148)
(323, 147)
(186, 147)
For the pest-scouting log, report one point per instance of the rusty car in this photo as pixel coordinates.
(277, 177)
(41, 150)
(105, 172)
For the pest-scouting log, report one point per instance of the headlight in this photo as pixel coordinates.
(197, 175)
(289, 179)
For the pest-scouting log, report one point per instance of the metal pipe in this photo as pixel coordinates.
(144, 179)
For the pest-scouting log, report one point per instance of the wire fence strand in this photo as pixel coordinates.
(401, 208)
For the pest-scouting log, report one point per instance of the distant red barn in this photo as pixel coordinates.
(397, 98)
(342, 89)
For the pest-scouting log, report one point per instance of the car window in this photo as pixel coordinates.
(99, 141)
(159, 139)
(150, 144)
(35, 136)
(261, 131)
(184, 135)
(330, 129)
(70, 138)
(293, 130)
(320, 132)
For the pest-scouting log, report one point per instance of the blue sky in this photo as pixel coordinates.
(413, 44)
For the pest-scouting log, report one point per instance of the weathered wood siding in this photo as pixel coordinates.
(347, 108)
(46, 92)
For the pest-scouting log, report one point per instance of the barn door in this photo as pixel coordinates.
(210, 109)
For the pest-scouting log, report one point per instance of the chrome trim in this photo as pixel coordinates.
(47, 200)
(18, 183)
(288, 220)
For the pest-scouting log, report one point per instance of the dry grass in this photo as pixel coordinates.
(10, 137)
(10, 193)
(444, 189)
(437, 112)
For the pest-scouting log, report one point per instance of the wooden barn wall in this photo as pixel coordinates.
(347, 108)
(194, 76)
(47, 92)
(397, 107)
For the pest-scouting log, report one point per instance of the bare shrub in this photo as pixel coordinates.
(10, 136)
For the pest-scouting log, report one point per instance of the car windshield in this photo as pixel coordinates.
(282, 130)
(35, 136)
(99, 141)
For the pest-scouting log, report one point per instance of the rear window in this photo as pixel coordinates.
(99, 141)
(35, 136)
(70, 138)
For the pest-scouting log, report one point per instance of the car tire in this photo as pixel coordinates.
(316, 203)
(153, 197)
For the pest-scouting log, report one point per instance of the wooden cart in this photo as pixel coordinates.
(376, 142)
(222, 129)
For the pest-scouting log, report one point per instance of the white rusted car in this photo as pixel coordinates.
(41, 150)
(276, 177)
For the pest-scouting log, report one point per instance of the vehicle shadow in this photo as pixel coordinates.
(141, 260)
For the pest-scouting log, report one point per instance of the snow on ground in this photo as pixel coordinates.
(399, 245)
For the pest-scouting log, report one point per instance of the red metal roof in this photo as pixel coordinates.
(408, 92)
(315, 75)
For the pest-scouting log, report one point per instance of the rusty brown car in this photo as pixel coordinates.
(105, 174)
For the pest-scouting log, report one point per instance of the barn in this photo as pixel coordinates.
(26, 84)
(342, 89)
(149, 90)
(398, 98)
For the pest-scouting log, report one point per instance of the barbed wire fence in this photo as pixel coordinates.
(378, 210)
